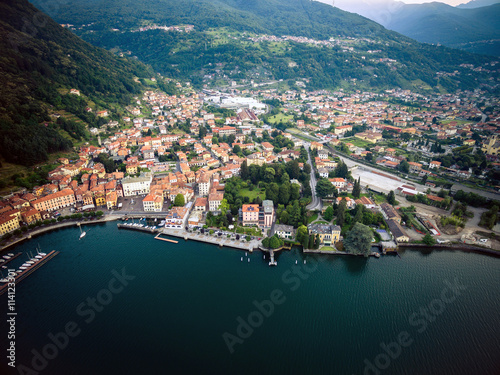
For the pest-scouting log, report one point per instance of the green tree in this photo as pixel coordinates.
(305, 241)
(341, 212)
(359, 240)
(317, 242)
(179, 200)
(284, 193)
(301, 232)
(294, 192)
(324, 188)
(272, 192)
(428, 240)
(236, 149)
(244, 173)
(311, 242)
(391, 198)
(356, 190)
(224, 207)
(329, 213)
(275, 242)
(404, 167)
(358, 217)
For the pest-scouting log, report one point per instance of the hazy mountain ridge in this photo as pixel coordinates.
(474, 27)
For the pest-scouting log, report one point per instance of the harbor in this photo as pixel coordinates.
(24, 274)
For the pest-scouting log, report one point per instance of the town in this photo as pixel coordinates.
(283, 168)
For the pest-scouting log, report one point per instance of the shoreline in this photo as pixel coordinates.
(455, 247)
(53, 227)
(108, 218)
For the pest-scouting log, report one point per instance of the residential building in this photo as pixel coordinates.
(415, 167)
(30, 215)
(201, 204)
(214, 201)
(390, 213)
(338, 182)
(323, 172)
(492, 146)
(153, 203)
(137, 185)
(250, 214)
(111, 199)
(55, 201)
(8, 223)
(176, 217)
(328, 234)
(266, 214)
(204, 184)
(397, 231)
(284, 231)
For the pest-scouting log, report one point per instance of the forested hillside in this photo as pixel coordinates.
(39, 60)
(232, 41)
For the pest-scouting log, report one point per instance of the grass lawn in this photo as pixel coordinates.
(328, 248)
(378, 198)
(312, 218)
(322, 222)
(358, 142)
(280, 117)
(252, 194)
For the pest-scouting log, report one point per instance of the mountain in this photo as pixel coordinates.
(475, 30)
(474, 27)
(265, 41)
(477, 4)
(40, 62)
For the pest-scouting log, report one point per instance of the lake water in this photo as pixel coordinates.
(191, 308)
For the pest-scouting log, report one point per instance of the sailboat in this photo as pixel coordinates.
(82, 233)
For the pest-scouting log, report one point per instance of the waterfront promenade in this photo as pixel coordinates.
(212, 239)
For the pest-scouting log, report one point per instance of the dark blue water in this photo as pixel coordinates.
(333, 315)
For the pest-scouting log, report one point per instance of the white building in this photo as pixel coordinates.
(137, 185)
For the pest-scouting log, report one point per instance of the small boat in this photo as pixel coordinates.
(23, 268)
(26, 265)
(38, 256)
(20, 271)
(249, 260)
(4, 280)
(2, 260)
(295, 262)
(30, 262)
(10, 254)
(242, 259)
(6, 257)
(82, 233)
(304, 261)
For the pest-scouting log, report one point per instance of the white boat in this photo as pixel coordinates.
(6, 257)
(3, 280)
(20, 271)
(30, 262)
(2, 260)
(10, 254)
(22, 268)
(82, 233)
(38, 256)
(26, 265)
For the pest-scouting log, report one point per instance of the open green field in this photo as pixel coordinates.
(280, 117)
(252, 194)
(357, 142)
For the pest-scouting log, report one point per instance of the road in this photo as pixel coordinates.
(316, 203)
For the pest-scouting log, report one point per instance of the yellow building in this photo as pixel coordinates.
(100, 200)
(8, 223)
(328, 234)
(492, 146)
(111, 199)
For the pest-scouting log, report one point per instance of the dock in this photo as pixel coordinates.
(164, 239)
(137, 228)
(272, 262)
(30, 270)
(7, 261)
